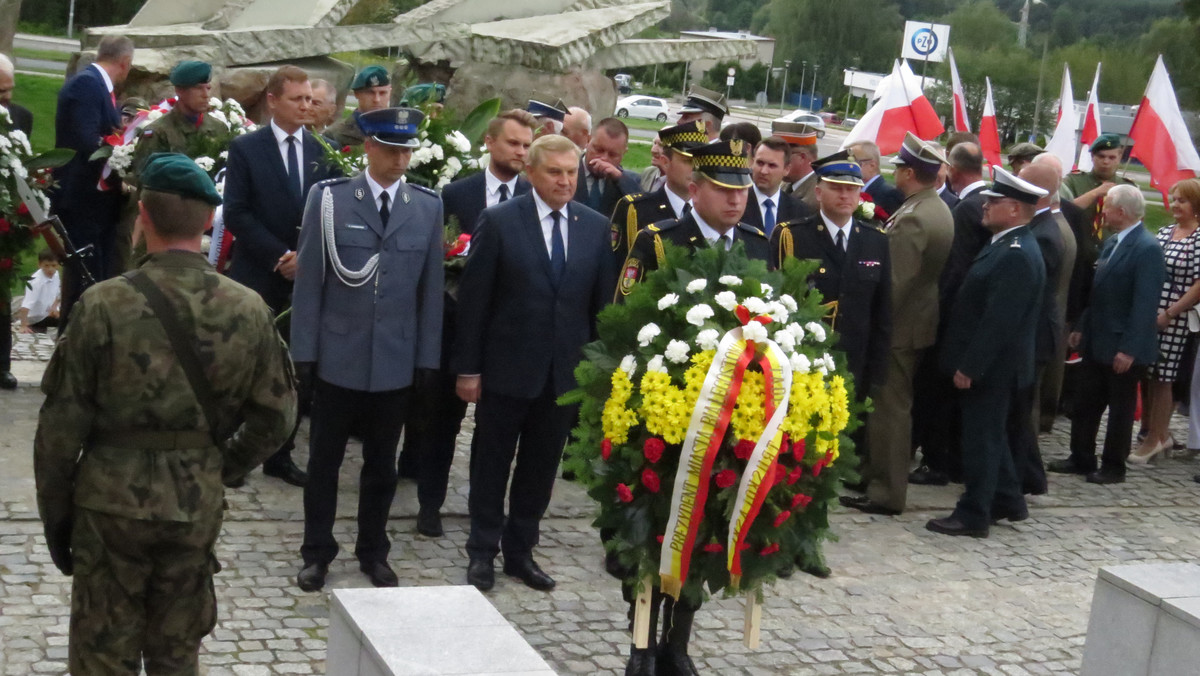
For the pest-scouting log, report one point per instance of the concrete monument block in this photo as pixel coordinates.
(10, 11)
(515, 85)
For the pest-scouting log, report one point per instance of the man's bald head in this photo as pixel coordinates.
(1045, 177)
(1055, 164)
(966, 165)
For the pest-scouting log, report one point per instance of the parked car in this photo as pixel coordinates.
(644, 107)
(805, 117)
(849, 122)
(831, 118)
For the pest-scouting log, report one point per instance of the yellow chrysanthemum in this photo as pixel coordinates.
(748, 418)
(616, 419)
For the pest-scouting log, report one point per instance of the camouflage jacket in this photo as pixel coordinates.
(345, 132)
(115, 393)
(172, 133)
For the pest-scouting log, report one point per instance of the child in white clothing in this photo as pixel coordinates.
(39, 309)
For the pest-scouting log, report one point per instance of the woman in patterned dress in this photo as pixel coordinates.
(1181, 290)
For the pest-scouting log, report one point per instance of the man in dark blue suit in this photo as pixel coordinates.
(886, 197)
(989, 348)
(602, 181)
(86, 113)
(438, 411)
(1117, 337)
(267, 177)
(767, 204)
(537, 275)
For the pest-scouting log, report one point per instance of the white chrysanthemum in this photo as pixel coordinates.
(817, 331)
(796, 331)
(236, 120)
(234, 107)
(441, 183)
(420, 156)
(788, 302)
(205, 163)
(697, 285)
(667, 301)
(219, 117)
(677, 351)
(820, 367)
(221, 188)
(778, 312)
(224, 155)
(800, 363)
(459, 141)
(647, 334)
(629, 365)
(698, 314)
(726, 299)
(656, 364)
(214, 103)
(708, 339)
(730, 280)
(754, 331)
(453, 166)
(484, 160)
(756, 305)
(785, 339)
(766, 290)
(438, 153)
(828, 359)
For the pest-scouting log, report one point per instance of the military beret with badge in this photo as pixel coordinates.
(178, 174)
(190, 73)
(371, 76)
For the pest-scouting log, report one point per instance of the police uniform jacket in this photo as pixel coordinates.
(1050, 328)
(992, 326)
(647, 252)
(1124, 302)
(858, 280)
(371, 337)
(920, 234)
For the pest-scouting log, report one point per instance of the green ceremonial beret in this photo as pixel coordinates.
(178, 174)
(371, 76)
(1106, 142)
(190, 73)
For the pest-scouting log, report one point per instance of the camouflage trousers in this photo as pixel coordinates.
(141, 595)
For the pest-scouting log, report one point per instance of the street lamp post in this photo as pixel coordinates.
(787, 65)
(70, 18)
(813, 96)
(803, 67)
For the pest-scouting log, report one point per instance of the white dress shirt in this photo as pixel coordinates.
(967, 190)
(996, 237)
(43, 292)
(547, 223)
(710, 235)
(677, 203)
(492, 188)
(378, 190)
(760, 198)
(834, 228)
(104, 74)
(281, 140)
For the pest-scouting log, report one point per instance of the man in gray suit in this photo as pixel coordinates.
(367, 313)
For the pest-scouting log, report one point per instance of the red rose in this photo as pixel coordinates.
(4, 226)
(605, 449)
(22, 209)
(798, 450)
(769, 549)
(345, 149)
(713, 547)
(653, 449)
(726, 478)
(783, 516)
(6, 264)
(744, 449)
(816, 468)
(778, 474)
(795, 474)
(624, 494)
(783, 445)
(650, 480)
(659, 538)
(801, 500)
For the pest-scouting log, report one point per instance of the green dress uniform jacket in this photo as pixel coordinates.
(345, 132)
(173, 133)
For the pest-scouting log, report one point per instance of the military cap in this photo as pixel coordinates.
(701, 100)
(178, 174)
(130, 105)
(1106, 142)
(556, 112)
(726, 163)
(1024, 151)
(371, 76)
(839, 167)
(1004, 184)
(190, 73)
(682, 138)
(795, 133)
(916, 153)
(392, 126)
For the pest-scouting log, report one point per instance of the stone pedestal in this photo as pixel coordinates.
(515, 85)
(1145, 620)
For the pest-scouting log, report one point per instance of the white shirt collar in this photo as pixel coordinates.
(377, 189)
(1041, 211)
(677, 202)
(944, 188)
(834, 227)
(996, 237)
(493, 184)
(543, 209)
(1121, 235)
(710, 235)
(800, 181)
(104, 74)
(967, 190)
(761, 197)
(873, 179)
(281, 135)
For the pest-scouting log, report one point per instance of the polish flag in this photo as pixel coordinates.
(1160, 138)
(901, 108)
(1091, 124)
(989, 133)
(1063, 144)
(961, 123)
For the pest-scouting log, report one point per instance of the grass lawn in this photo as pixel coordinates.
(648, 125)
(43, 54)
(637, 158)
(39, 93)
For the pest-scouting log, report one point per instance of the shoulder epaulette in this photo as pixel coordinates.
(332, 181)
(423, 189)
(751, 229)
(632, 196)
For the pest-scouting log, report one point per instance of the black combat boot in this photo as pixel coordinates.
(673, 659)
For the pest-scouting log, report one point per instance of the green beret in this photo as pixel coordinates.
(371, 76)
(1106, 142)
(190, 73)
(178, 174)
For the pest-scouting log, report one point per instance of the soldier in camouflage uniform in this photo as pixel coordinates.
(373, 90)
(129, 480)
(177, 131)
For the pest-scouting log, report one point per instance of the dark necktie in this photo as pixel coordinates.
(558, 249)
(840, 242)
(293, 169)
(503, 193)
(384, 212)
(687, 209)
(596, 193)
(769, 216)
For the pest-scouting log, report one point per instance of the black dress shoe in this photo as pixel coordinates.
(641, 662)
(950, 525)
(1066, 466)
(864, 504)
(925, 476)
(1011, 514)
(860, 487)
(1105, 477)
(312, 576)
(380, 574)
(481, 573)
(236, 483)
(527, 571)
(429, 523)
(8, 381)
(287, 471)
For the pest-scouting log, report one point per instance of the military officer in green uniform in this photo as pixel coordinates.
(634, 212)
(373, 90)
(720, 182)
(169, 381)
(178, 130)
(1087, 189)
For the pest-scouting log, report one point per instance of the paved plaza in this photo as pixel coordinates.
(901, 599)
